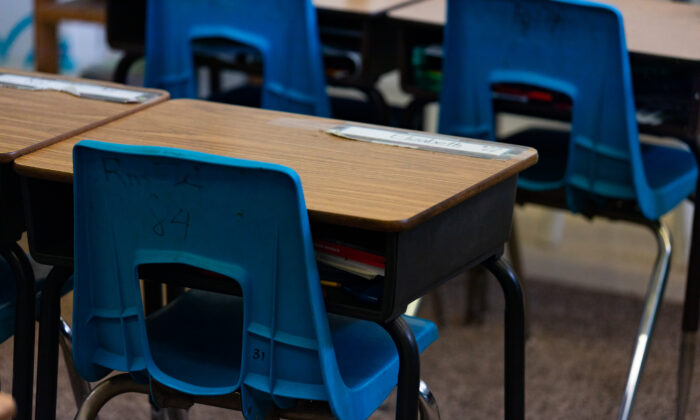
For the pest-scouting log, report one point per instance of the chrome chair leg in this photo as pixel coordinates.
(685, 373)
(306, 410)
(651, 306)
(106, 390)
(427, 405)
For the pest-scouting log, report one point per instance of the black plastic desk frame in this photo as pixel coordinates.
(418, 260)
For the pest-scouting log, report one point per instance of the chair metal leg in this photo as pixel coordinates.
(651, 307)
(106, 390)
(47, 357)
(80, 387)
(685, 373)
(427, 405)
(304, 410)
(121, 73)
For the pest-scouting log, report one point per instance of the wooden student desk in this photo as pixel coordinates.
(30, 120)
(430, 214)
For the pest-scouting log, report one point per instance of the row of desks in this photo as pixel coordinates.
(428, 224)
(30, 120)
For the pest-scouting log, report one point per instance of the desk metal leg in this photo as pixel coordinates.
(412, 115)
(514, 338)
(690, 316)
(47, 360)
(409, 369)
(691, 304)
(23, 363)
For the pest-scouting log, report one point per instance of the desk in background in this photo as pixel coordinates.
(662, 39)
(30, 120)
(428, 223)
(359, 43)
(358, 31)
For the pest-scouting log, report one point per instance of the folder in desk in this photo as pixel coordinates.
(357, 272)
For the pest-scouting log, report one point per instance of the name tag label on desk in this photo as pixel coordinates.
(83, 90)
(435, 143)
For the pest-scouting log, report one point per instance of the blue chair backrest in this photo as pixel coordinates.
(245, 220)
(570, 46)
(284, 31)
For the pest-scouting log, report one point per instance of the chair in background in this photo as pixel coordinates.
(252, 333)
(284, 32)
(599, 167)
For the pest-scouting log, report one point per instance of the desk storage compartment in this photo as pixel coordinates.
(423, 257)
(457, 239)
(49, 214)
(11, 212)
(357, 298)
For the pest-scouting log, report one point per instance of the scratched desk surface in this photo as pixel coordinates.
(31, 119)
(652, 27)
(346, 182)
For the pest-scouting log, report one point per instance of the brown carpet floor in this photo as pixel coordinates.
(577, 359)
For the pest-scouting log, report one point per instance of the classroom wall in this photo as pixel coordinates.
(82, 44)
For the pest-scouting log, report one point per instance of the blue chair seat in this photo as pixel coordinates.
(179, 330)
(670, 171)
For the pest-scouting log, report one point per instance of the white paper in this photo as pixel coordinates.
(85, 90)
(422, 141)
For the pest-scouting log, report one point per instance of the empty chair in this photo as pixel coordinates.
(283, 31)
(599, 167)
(254, 322)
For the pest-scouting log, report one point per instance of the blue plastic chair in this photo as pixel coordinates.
(599, 167)
(284, 32)
(240, 219)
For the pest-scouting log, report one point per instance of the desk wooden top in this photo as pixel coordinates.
(346, 182)
(30, 119)
(652, 27)
(364, 7)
